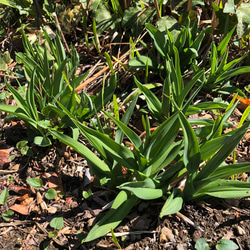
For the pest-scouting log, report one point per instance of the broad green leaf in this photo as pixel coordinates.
(30, 97)
(3, 196)
(225, 244)
(201, 244)
(21, 102)
(140, 62)
(8, 215)
(108, 148)
(34, 182)
(57, 223)
(58, 83)
(229, 7)
(104, 97)
(189, 86)
(122, 205)
(233, 63)
(166, 158)
(243, 18)
(21, 144)
(9, 3)
(42, 141)
(232, 72)
(135, 18)
(146, 190)
(244, 116)
(104, 19)
(44, 124)
(125, 119)
(51, 194)
(173, 204)
(169, 23)
(19, 113)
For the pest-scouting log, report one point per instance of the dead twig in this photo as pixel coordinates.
(59, 27)
(130, 233)
(186, 219)
(84, 84)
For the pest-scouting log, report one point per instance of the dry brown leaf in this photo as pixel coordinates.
(16, 167)
(21, 209)
(51, 210)
(24, 197)
(27, 201)
(53, 181)
(19, 190)
(4, 157)
(39, 198)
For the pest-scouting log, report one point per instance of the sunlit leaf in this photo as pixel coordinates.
(57, 223)
(3, 196)
(34, 182)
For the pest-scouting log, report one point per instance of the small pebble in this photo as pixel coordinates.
(166, 234)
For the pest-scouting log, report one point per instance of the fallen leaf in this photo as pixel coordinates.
(53, 181)
(51, 210)
(27, 201)
(4, 157)
(19, 190)
(16, 167)
(39, 198)
(68, 199)
(21, 209)
(243, 104)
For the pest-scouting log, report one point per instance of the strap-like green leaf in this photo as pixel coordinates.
(226, 145)
(146, 190)
(97, 165)
(132, 136)
(122, 205)
(224, 189)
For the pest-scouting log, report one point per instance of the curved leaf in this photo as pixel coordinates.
(145, 190)
(123, 203)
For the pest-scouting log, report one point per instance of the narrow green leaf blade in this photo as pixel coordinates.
(145, 190)
(191, 157)
(226, 189)
(132, 136)
(97, 165)
(123, 203)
